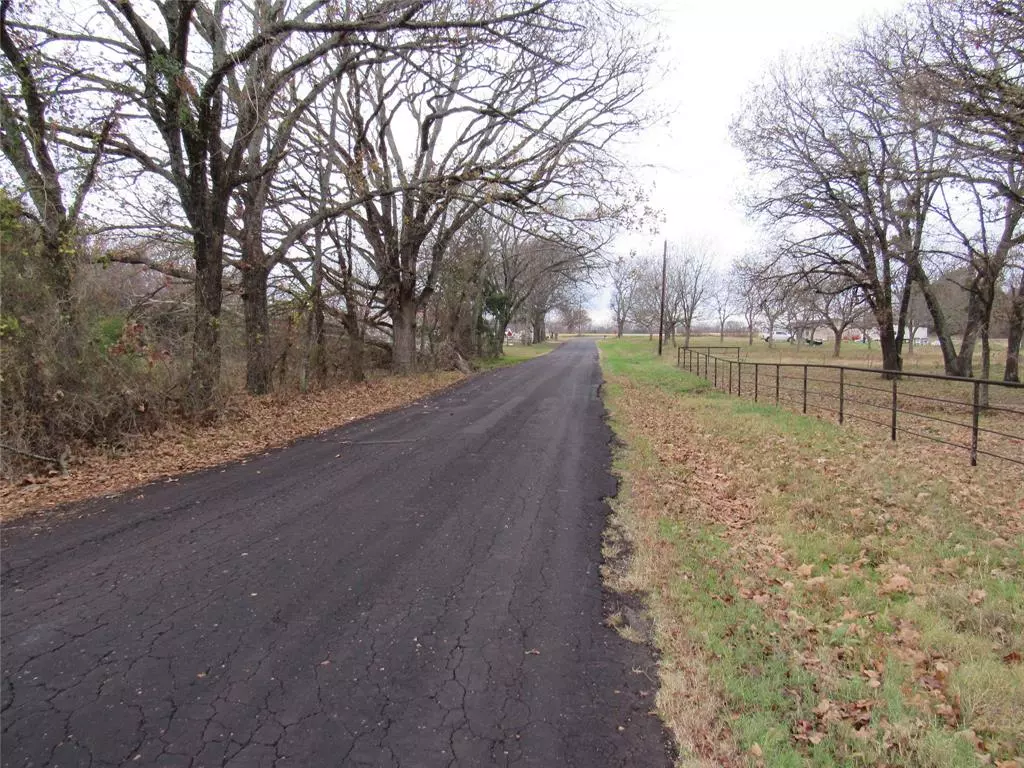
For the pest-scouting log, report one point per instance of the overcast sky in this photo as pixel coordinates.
(715, 51)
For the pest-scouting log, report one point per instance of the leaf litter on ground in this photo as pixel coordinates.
(854, 579)
(246, 426)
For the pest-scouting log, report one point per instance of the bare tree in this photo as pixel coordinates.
(625, 276)
(743, 277)
(1016, 324)
(56, 178)
(974, 79)
(524, 263)
(495, 123)
(174, 80)
(852, 162)
(837, 305)
(692, 278)
(647, 299)
(773, 287)
(723, 297)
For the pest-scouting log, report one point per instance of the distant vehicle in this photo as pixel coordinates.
(777, 336)
(814, 342)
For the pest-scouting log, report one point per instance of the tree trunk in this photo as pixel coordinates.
(975, 322)
(954, 364)
(204, 375)
(356, 371)
(59, 256)
(838, 342)
(538, 327)
(317, 356)
(282, 375)
(403, 320)
(986, 365)
(499, 338)
(618, 328)
(1016, 333)
(892, 358)
(423, 332)
(721, 333)
(257, 326)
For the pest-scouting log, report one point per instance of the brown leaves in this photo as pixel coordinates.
(896, 584)
(839, 617)
(897, 579)
(827, 712)
(247, 425)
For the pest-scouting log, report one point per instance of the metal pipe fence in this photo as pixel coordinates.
(982, 417)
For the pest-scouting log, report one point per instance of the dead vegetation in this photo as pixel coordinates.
(246, 425)
(817, 597)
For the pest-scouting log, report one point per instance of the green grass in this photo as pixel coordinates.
(517, 353)
(799, 606)
(923, 359)
(634, 358)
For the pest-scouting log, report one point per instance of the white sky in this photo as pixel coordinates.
(714, 52)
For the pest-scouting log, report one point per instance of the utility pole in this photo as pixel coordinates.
(661, 312)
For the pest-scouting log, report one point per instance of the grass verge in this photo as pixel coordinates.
(517, 354)
(817, 597)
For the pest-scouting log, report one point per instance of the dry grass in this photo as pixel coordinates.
(928, 409)
(919, 358)
(818, 597)
(247, 425)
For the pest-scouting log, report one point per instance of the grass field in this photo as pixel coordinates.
(517, 353)
(818, 597)
(920, 358)
(927, 407)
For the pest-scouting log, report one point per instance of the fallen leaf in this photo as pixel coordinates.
(896, 584)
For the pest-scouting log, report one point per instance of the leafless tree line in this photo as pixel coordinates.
(691, 285)
(892, 165)
(401, 170)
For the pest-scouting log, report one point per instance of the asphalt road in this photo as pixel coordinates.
(418, 589)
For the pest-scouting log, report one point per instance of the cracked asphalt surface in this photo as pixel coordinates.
(418, 589)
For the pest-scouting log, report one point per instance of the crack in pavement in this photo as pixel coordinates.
(430, 598)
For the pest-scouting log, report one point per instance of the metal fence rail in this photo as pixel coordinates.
(982, 417)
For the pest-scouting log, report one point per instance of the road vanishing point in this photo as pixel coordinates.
(417, 589)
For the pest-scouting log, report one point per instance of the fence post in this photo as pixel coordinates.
(805, 389)
(756, 366)
(679, 357)
(777, 366)
(892, 428)
(716, 371)
(841, 392)
(739, 379)
(730, 377)
(974, 423)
